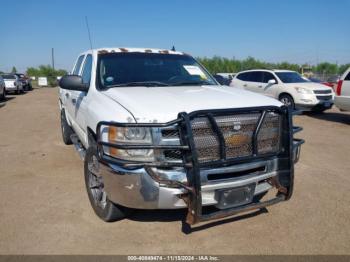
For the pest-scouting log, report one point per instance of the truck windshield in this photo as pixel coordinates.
(290, 77)
(150, 69)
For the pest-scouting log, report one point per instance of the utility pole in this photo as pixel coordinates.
(53, 58)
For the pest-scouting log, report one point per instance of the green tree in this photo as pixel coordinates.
(343, 68)
(14, 70)
(218, 64)
(326, 68)
(46, 71)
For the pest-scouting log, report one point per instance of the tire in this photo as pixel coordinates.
(287, 100)
(3, 96)
(17, 91)
(103, 207)
(67, 131)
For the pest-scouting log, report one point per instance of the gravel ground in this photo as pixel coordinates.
(44, 208)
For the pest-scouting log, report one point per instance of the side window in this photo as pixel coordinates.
(255, 76)
(78, 65)
(86, 74)
(267, 76)
(243, 76)
(347, 78)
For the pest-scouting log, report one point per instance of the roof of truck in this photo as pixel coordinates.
(134, 50)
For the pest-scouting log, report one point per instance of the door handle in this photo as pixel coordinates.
(74, 101)
(67, 95)
(260, 86)
(245, 85)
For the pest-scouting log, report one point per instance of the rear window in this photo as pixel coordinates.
(8, 77)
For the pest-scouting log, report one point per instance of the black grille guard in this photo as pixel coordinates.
(190, 159)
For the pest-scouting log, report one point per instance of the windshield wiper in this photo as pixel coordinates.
(187, 83)
(141, 83)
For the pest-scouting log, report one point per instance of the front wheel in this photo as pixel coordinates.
(103, 207)
(287, 100)
(3, 96)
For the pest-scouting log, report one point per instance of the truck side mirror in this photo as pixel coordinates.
(73, 82)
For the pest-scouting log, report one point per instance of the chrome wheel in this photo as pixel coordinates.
(95, 183)
(287, 100)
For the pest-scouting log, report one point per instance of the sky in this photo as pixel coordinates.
(296, 31)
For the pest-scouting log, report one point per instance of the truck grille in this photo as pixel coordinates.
(322, 92)
(324, 97)
(237, 132)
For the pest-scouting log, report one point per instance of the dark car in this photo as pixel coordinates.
(222, 80)
(25, 80)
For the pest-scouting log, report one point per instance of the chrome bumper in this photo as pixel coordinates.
(137, 188)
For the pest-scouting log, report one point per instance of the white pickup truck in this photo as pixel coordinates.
(156, 131)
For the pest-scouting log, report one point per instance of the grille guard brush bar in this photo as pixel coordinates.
(190, 157)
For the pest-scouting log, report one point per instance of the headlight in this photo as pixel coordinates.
(303, 90)
(127, 136)
(135, 133)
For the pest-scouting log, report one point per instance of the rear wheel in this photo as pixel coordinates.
(103, 207)
(287, 100)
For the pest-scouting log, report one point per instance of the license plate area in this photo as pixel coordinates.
(326, 104)
(233, 197)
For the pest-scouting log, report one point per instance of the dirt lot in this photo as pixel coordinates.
(44, 208)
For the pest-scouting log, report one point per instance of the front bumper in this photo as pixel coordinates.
(140, 189)
(309, 102)
(163, 185)
(11, 88)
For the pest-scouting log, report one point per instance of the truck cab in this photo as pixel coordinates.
(156, 131)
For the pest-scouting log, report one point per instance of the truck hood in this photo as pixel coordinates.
(162, 104)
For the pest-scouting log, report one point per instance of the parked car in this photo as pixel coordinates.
(12, 83)
(156, 131)
(222, 80)
(229, 76)
(342, 99)
(287, 86)
(26, 82)
(2, 89)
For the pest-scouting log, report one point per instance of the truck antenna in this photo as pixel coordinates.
(88, 29)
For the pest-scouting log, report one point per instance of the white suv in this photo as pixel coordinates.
(287, 86)
(342, 100)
